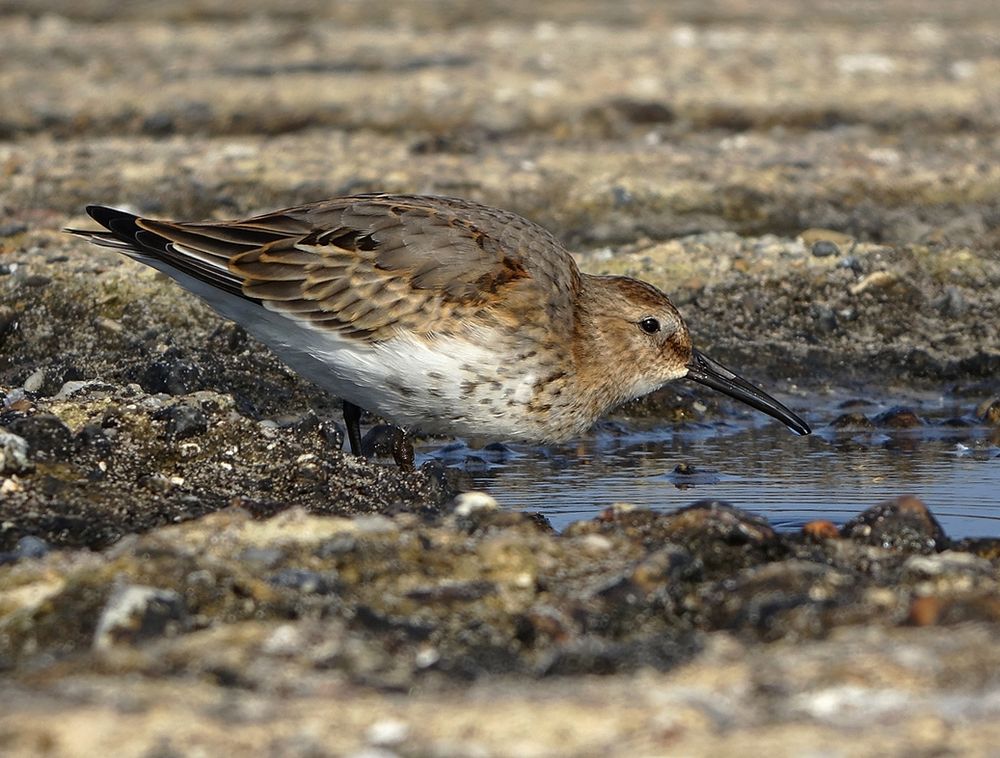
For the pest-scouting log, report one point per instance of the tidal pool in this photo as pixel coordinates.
(951, 462)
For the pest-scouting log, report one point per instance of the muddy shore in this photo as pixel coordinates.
(188, 561)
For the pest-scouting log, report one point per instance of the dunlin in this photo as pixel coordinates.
(435, 313)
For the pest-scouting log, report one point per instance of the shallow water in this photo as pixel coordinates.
(952, 462)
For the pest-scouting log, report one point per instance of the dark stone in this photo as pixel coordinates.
(901, 524)
(36, 280)
(852, 422)
(12, 228)
(898, 418)
(183, 421)
(27, 547)
(92, 437)
(824, 316)
(172, 375)
(48, 438)
(380, 441)
(825, 248)
(30, 546)
(136, 614)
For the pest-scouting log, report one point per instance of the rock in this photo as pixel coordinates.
(989, 412)
(852, 422)
(380, 441)
(135, 614)
(47, 436)
(813, 237)
(824, 249)
(898, 418)
(820, 530)
(468, 503)
(13, 454)
(34, 382)
(877, 280)
(27, 547)
(172, 375)
(183, 421)
(901, 524)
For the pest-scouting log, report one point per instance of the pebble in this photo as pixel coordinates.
(816, 236)
(875, 280)
(137, 613)
(989, 412)
(183, 421)
(904, 523)
(173, 376)
(821, 530)
(13, 454)
(852, 422)
(824, 316)
(11, 228)
(387, 732)
(468, 503)
(46, 435)
(825, 249)
(34, 382)
(899, 418)
(28, 547)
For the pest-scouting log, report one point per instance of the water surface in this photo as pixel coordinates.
(951, 462)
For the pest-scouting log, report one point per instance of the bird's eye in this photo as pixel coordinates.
(649, 325)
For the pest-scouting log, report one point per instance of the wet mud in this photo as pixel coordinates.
(190, 562)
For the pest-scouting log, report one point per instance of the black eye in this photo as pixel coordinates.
(649, 325)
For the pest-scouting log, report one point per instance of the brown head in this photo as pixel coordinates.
(635, 341)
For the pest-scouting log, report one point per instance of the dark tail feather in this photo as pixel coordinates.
(124, 233)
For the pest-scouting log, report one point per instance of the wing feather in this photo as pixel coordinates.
(366, 264)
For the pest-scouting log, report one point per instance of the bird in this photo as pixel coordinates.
(436, 313)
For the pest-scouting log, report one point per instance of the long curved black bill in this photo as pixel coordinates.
(704, 370)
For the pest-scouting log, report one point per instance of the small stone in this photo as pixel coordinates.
(852, 422)
(387, 732)
(380, 441)
(821, 531)
(183, 421)
(35, 381)
(32, 547)
(925, 611)
(46, 435)
(825, 249)
(990, 412)
(172, 376)
(901, 524)
(35, 280)
(332, 433)
(875, 280)
(138, 613)
(824, 316)
(468, 503)
(815, 236)
(11, 228)
(951, 303)
(898, 418)
(13, 454)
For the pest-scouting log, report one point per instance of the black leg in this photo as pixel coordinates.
(352, 418)
(402, 451)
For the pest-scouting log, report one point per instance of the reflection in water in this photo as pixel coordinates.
(952, 464)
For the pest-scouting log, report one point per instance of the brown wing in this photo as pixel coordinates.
(371, 264)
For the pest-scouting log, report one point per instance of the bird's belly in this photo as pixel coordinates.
(444, 385)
